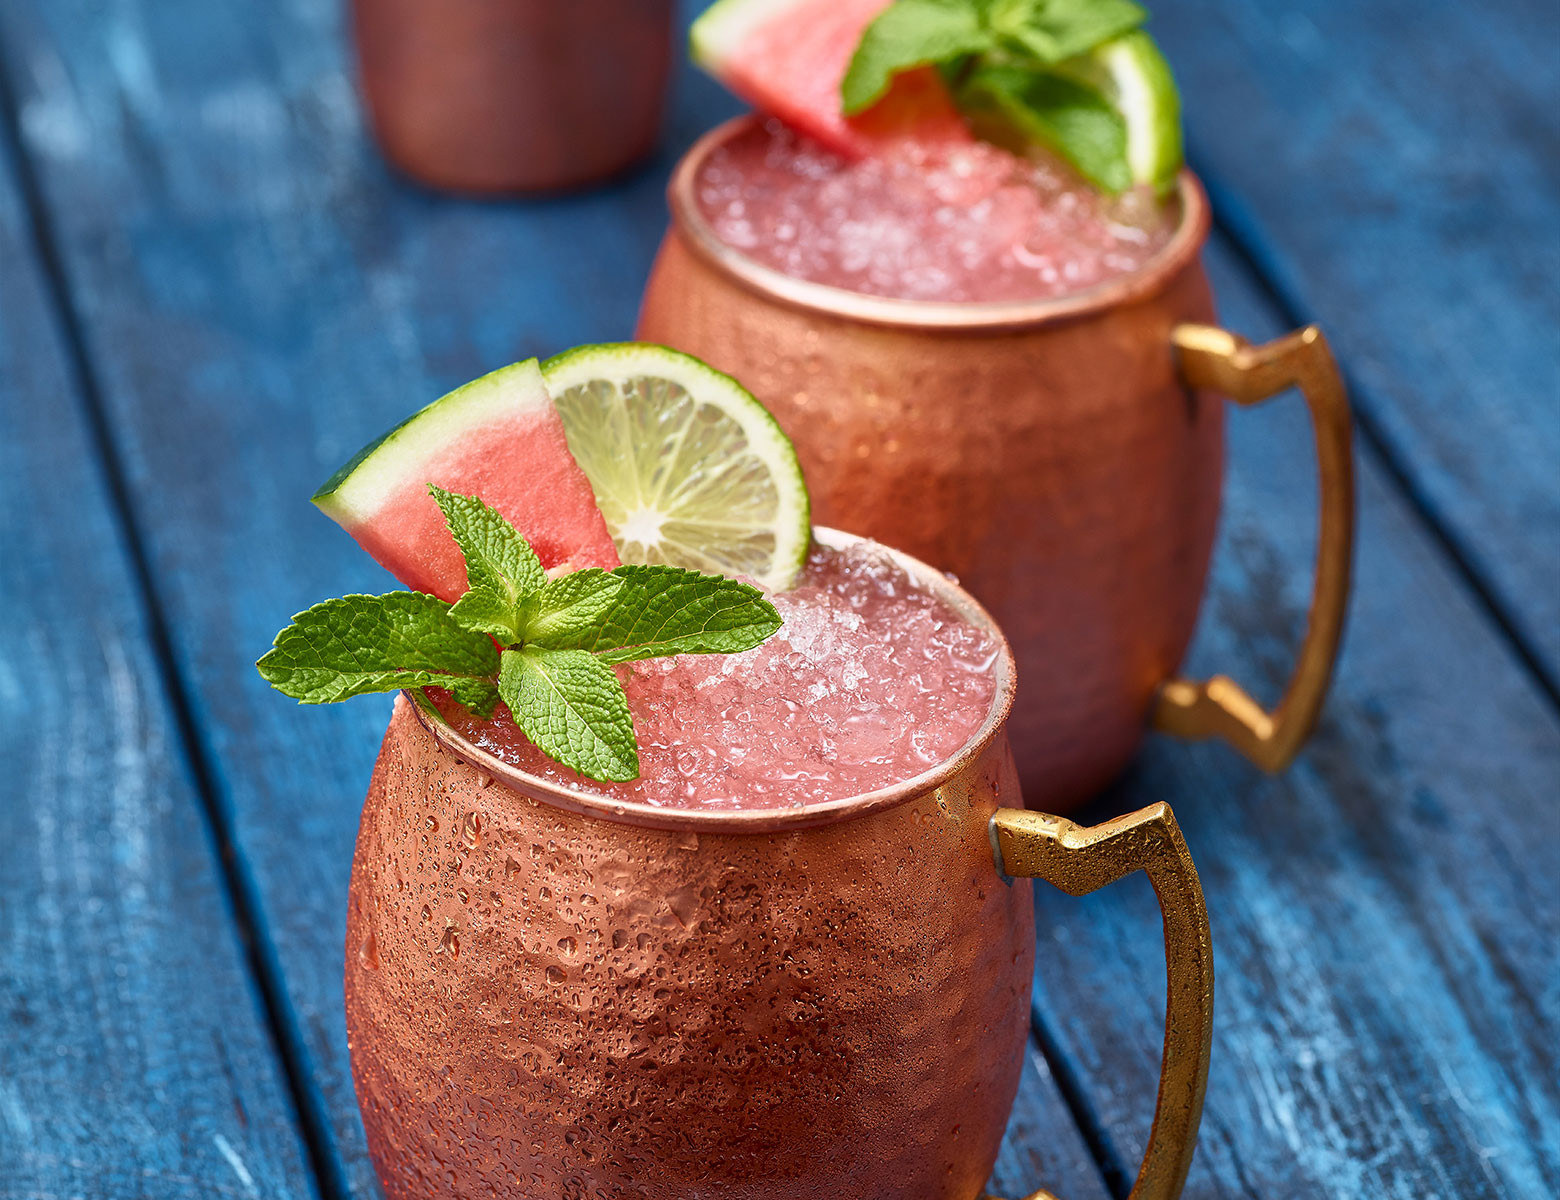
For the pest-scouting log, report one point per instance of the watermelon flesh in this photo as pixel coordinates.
(787, 58)
(498, 438)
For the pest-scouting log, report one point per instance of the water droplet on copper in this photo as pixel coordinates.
(555, 975)
(450, 942)
(684, 903)
(568, 945)
(463, 895)
(427, 913)
(368, 953)
(431, 823)
(511, 867)
(484, 779)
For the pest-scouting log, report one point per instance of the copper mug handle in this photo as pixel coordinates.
(1214, 358)
(1080, 860)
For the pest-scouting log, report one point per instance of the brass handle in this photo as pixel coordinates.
(1080, 860)
(1216, 359)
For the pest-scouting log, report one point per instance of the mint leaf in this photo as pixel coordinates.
(579, 600)
(1052, 30)
(480, 696)
(361, 644)
(909, 34)
(672, 610)
(1075, 121)
(501, 568)
(571, 704)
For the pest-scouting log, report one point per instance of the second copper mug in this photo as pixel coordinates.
(513, 95)
(1062, 457)
(551, 994)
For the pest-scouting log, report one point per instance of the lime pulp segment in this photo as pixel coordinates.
(688, 468)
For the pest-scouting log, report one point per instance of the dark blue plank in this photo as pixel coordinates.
(1395, 167)
(1385, 923)
(134, 1060)
(260, 297)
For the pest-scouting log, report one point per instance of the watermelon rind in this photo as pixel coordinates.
(727, 24)
(616, 363)
(389, 464)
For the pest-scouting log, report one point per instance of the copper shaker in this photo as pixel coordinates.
(1063, 458)
(554, 994)
(513, 95)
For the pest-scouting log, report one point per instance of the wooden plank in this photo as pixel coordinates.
(1385, 922)
(1042, 1147)
(262, 297)
(134, 1060)
(1392, 164)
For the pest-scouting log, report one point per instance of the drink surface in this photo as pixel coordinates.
(872, 680)
(965, 223)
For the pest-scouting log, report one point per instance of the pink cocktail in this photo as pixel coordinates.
(872, 680)
(966, 222)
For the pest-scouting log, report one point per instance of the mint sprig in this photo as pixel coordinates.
(1019, 62)
(501, 567)
(360, 644)
(546, 647)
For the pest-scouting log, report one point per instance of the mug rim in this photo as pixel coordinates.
(764, 820)
(925, 315)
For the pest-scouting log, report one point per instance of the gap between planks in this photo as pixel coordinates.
(324, 1162)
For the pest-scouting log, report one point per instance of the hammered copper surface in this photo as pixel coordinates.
(546, 1004)
(513, 95)
(1046, 454)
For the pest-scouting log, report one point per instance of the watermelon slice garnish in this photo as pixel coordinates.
(788, 57)
(498, 437)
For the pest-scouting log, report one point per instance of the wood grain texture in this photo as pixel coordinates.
(261, 296)
(1395, 167)
(1385, 923)
(134, 1061)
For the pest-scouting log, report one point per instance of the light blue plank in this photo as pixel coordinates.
(1386, 929)
(1393, 165)
(134, 1059)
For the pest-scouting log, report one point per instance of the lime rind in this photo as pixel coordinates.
(398, 459)
(688, 468)
(1134, 77)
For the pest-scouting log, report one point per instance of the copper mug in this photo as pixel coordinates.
(513, 95)
(552, 994)
(1063, 457)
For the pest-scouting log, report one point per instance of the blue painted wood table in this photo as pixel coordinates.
(211, 289)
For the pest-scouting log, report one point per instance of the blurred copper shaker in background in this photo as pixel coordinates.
(513, 95)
